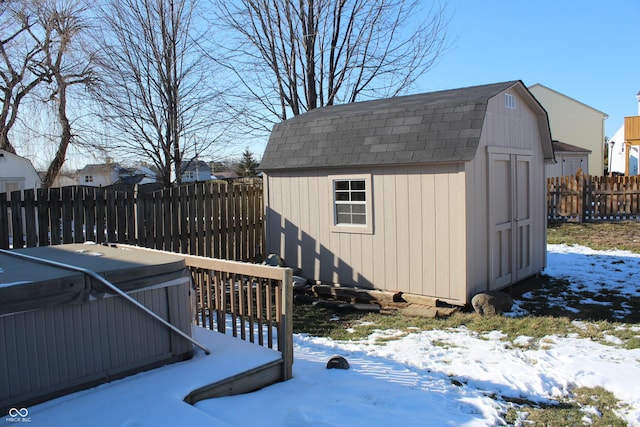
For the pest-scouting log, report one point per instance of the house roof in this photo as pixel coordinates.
(563, 147)
(7, 155)
(442, 126)
(196, 165)
(534, 86)
(100, 168)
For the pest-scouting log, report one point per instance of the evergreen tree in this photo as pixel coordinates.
(247, 165)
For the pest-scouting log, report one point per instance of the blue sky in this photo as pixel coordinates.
(588, 50)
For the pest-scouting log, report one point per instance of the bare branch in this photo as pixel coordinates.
(155, 87)
(291, 56)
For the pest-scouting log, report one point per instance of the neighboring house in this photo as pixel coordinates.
(16, 173)
(618, 151)
(64, 179)
(569, 159)
(99, 175)
(137, 175)
(574, 123)
(439, 194)
(149, 176)
(196, 170)
(102, 175)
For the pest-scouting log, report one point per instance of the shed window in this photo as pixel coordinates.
(350, 202)
(509, 101)
(88, 178)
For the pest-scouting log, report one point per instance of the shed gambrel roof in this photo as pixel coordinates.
(442, 126)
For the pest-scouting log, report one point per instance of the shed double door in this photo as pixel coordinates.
(510, 244)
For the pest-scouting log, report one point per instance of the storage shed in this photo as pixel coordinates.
(569, 160)
(439, 194)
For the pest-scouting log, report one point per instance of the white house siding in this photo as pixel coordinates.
(16, 173)
(420, 249)
(568, 164)
(618, 157)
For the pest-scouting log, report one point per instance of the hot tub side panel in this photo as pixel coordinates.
(56, 350)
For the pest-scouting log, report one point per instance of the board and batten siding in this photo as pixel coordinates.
(508, 131)
(416, 244)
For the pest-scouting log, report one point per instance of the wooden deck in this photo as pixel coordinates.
(167, 393)
(243, 334)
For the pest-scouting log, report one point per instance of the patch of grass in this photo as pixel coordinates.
(323, 322)
(586, 406)
(554, 297)
(354, 326)
(600, 236)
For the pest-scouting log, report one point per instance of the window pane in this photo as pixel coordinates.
(344, 219)
(357, 185)
(342, 196)
(358, 196)
(359, 219)
(343, 209)
(359, 209)
(342, 185)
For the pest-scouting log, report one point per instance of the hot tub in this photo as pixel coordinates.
(63, 330)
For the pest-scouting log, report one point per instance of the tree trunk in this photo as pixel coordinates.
(65, 135)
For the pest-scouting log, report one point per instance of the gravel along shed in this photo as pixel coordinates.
(439, 194)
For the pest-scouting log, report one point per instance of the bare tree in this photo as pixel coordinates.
(296, 55)
(43, 58)
(68, 65)
(22, 67)
(156, 88)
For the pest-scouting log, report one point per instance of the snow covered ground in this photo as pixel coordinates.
(434, 378)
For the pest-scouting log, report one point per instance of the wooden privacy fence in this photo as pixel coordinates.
(212, 219)
(584, 198)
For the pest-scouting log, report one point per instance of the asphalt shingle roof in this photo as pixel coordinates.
(568, 148)
(442, 126)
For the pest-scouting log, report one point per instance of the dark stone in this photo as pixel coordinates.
(491, 302)
(300, 282)
(274, 260)
(337, 362)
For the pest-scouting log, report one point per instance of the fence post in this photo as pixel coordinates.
(4, 222)
(285, 324)
(583, 212)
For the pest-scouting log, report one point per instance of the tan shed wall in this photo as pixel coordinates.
(431, 223)
(517, 132)
(417, 244)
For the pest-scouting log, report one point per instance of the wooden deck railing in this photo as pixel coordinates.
(585, 198)
(253, 302)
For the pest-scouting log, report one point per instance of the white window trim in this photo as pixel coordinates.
(509, 101)
(351, 228)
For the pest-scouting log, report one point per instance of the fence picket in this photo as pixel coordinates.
(43, 207)
(209, 219)
(593, 198)
(4, 221)
(30, 218)
(16, 219)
